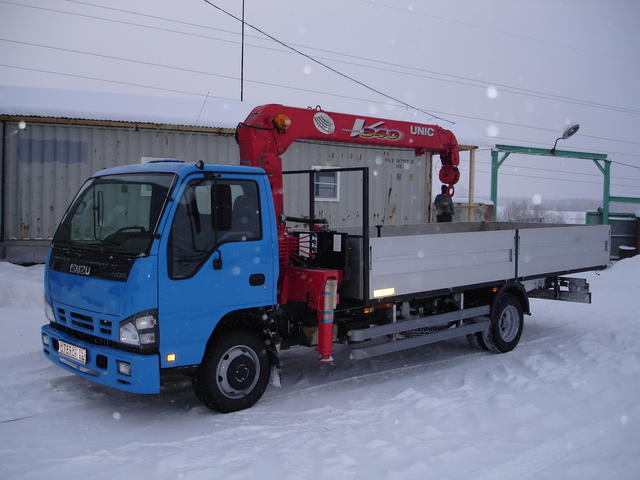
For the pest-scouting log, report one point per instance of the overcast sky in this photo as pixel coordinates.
(516, 71)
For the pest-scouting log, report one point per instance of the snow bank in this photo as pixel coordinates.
(21, 287)
(21, 308)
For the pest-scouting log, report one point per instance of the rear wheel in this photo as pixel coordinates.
(507, 323)
(234, 373)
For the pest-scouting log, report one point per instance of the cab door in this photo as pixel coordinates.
(221, 257)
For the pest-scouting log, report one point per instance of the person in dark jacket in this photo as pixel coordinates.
(444, 206)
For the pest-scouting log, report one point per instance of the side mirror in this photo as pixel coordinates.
(221, 207)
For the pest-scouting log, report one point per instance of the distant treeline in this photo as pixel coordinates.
(574, 205)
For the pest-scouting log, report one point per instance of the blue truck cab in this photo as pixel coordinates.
(147, 266)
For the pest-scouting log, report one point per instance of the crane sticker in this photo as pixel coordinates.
(324, 123)
(373, 131)
(422, 130)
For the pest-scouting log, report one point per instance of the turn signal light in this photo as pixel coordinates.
(171, 357)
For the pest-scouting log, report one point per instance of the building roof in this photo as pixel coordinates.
(202, 112)
(119, 107)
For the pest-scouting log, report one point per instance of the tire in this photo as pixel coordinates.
(507, 323)
(234, 372)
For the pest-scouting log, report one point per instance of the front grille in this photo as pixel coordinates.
(105, 327)
(84, 322)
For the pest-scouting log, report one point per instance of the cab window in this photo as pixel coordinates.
(209, 214)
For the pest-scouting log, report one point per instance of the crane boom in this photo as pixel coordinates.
(269, 130)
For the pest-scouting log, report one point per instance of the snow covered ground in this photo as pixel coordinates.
(564, 405)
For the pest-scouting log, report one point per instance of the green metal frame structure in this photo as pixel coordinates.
(599, 159)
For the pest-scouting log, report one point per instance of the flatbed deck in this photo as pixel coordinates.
(412, 259)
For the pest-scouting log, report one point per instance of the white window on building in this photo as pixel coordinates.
(326, 185)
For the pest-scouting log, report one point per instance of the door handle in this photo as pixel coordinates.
(256, 279)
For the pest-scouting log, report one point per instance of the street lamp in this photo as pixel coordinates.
(568, 132)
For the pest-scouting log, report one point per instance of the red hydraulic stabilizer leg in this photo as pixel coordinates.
(326, 305)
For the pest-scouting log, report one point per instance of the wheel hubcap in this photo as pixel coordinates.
(238, 371)
(509, 323)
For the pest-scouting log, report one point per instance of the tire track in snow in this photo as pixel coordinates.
(469, 356)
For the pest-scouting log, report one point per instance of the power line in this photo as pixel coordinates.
(337, 72)
(557, 179)
(156, 17)
(123, 22)
(412, 11)
(573, 172)
(483, 85)
(189, 70)
(122, 59)
(198, 94)
(405, 104)
(477, 83)
(626, 164)
(523, 125)
(229, 77)
(225, 98)
(305, 90)
(130, 84)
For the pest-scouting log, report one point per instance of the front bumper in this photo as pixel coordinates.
(101, 365)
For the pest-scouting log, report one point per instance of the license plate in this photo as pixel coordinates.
(71, 351)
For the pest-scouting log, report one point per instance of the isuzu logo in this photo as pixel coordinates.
(80, 269)
(375, 130)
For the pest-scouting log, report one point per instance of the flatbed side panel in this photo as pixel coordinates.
(418, 263)
(556, 249)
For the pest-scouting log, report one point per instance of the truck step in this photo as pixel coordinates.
(418, 322)
(360, 352)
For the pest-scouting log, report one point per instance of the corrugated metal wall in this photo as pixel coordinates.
(45, 165)
(398, 184)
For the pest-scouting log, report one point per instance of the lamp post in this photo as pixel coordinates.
(568, 132)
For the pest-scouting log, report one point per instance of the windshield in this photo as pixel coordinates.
(115, 213)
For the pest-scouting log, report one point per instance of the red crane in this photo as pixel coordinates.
(268, 132)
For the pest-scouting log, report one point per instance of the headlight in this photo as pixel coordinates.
(140, 330)
(48, 310)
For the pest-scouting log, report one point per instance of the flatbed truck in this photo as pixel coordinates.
(195, 268)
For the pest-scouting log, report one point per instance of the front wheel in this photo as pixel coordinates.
(234, 372)
(507, 323)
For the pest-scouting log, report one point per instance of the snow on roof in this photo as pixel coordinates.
(184, 111)
(119, 107)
